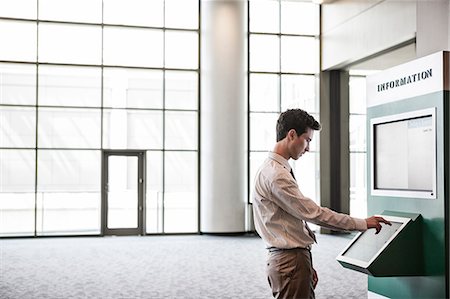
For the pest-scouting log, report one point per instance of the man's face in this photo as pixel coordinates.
(300, 144)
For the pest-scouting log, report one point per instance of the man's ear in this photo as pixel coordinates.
(292, 133)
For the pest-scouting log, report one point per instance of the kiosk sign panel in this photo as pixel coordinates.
(423, 76)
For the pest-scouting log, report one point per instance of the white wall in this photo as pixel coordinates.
(355, 29)
(433, 22)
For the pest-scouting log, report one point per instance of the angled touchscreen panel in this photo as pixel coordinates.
(366, 246)
(369, 243)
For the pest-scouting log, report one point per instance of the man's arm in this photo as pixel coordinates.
(286, 194)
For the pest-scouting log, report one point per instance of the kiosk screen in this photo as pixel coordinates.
(369, 244)
(404, 154)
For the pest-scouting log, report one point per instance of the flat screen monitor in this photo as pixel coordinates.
(404, 155)
(367, 246)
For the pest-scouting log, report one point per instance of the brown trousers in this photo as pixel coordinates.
(290, 273)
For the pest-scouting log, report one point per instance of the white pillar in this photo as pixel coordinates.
(223, 116)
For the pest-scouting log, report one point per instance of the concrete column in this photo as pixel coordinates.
(223, 116)
(334, 142)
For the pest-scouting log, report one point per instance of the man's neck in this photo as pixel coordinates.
(280, 148)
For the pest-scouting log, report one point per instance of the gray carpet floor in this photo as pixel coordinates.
(197, 266)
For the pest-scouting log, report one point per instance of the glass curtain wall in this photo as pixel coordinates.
(284, 67)
(357, 119)
(81, 76)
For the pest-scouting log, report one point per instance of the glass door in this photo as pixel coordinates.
(123, 192)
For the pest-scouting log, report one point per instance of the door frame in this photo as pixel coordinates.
(140, 230)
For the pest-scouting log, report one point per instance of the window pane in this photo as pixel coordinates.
(124, 129)
(89, 11)
(358, 195)
(299, 18)
(181, 195)
(133, 47)
(22, 9)
(17, 180)
(181, 130)
(68, 213)
(69, 86)
(67, 43)
(17, 84)
(264, 92)
(357, 94)
(154, 193)
(299, 54)
(264, 53)
(130, 88)
(256, 160)
(306, 170)
(17, 127)
(69, 171)
(188, 57)
(314, 145)
(357, 133)
(69, 128)
(181, 90)
(17, 171)
(68, 192)
(298, 91)
(18, 40)
(134, 12)
(17, 213)
(264, 16)
(263, 131)
(181, 14)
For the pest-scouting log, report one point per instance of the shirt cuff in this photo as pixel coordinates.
(360, 224)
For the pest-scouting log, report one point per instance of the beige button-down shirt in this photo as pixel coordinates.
(280, 209)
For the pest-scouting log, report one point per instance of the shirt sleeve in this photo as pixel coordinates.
(286, 194)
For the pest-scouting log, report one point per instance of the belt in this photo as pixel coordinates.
(275, 249)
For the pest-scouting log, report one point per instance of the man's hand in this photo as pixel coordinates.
(315, 278)
(374, 222)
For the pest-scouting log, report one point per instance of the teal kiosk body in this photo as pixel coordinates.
(408, 180)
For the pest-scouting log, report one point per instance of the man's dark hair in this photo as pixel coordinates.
(296, 119)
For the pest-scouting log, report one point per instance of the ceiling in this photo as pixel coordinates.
(385, 60)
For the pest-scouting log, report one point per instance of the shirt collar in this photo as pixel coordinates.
(280, 159)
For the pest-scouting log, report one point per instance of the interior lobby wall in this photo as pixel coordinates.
(353, 30)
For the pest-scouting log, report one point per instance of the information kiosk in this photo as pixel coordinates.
(408, 159)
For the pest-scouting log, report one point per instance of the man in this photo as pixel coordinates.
(280, 211)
